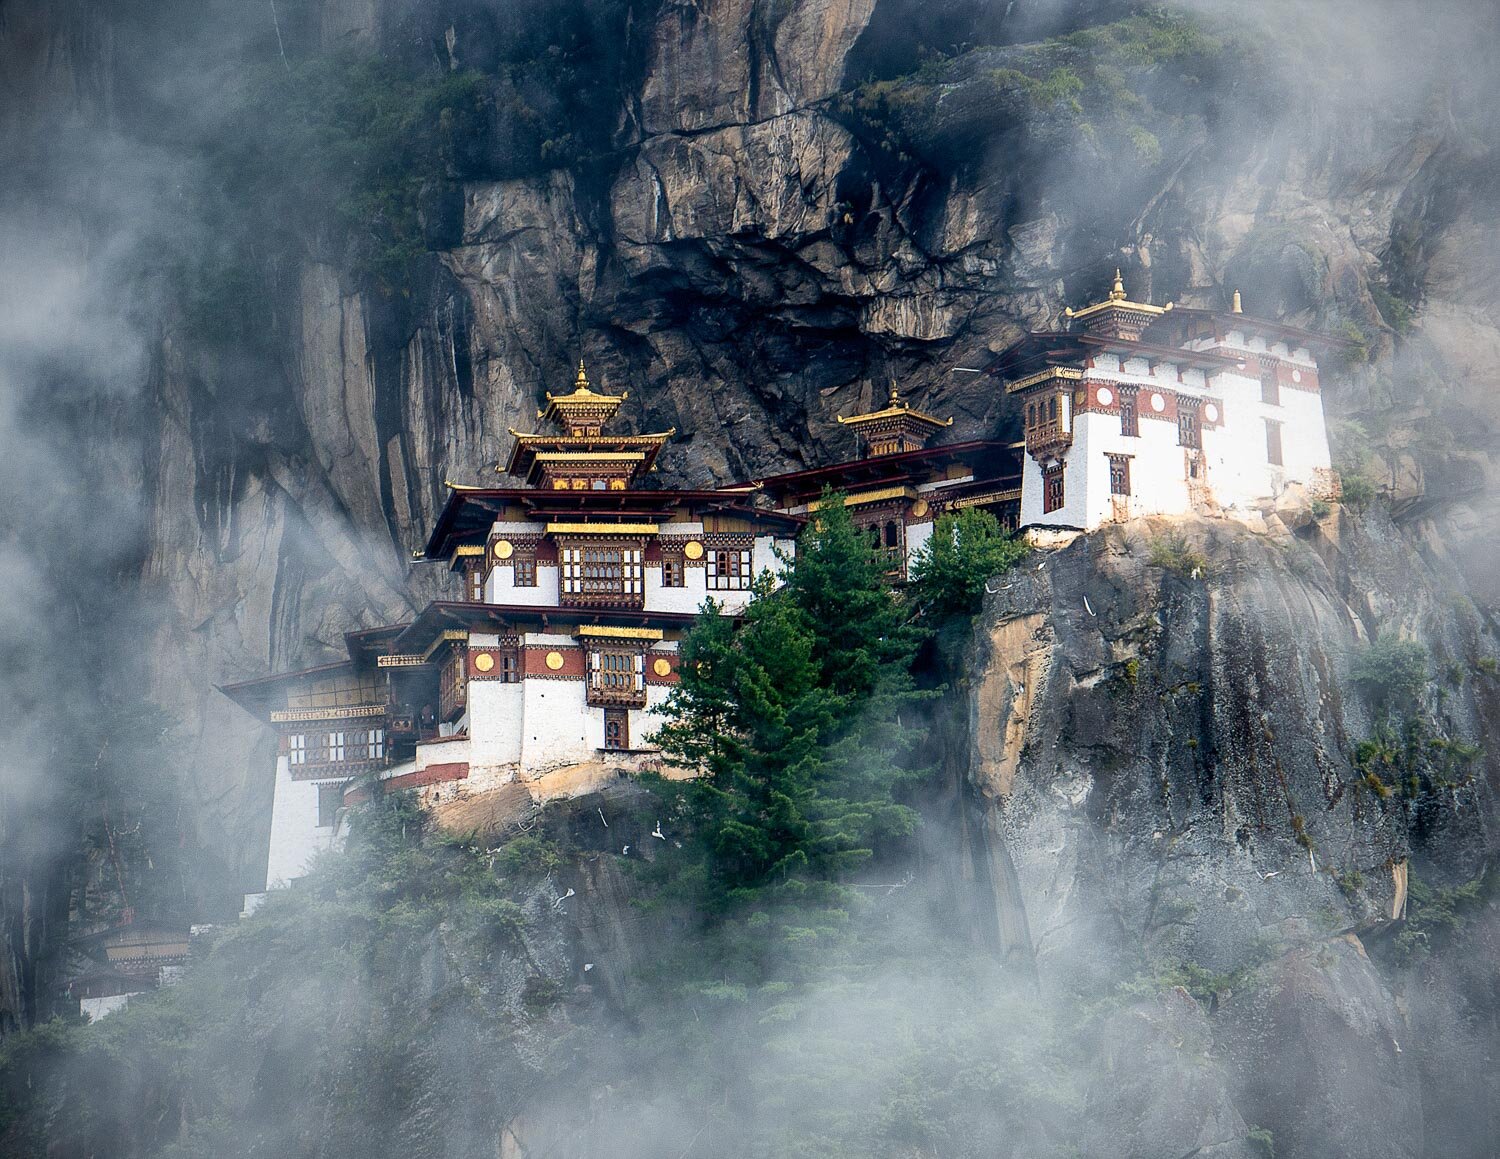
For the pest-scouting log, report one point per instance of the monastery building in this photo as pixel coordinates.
(573, 584)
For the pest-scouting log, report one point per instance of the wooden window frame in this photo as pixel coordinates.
(618, 720)
(602, 573)
(1189, 426)
(330, 801)
(1054, 489)
(617, 675)
(474, 577)
(453, 685)
(673, 570)
(1119, 473)
(523, 570)
(730, 569)
(1270, 390)
(1130, 415)
(1275, 447)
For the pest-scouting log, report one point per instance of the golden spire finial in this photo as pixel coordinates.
(582, 381)
(1118, 293)
(895, 393)
(1237, 308)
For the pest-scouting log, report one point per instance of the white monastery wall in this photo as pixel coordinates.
(496, 716)
(917, 535)
(96, 1008)
(688, 598)
(296, 837)
(560, 728)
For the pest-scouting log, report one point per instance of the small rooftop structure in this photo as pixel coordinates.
(895, 428)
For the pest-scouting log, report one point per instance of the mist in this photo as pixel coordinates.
(271, 273)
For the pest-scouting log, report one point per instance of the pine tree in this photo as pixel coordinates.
(839, 580)
(792, 721)
(950, 571)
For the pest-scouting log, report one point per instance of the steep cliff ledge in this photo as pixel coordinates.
(1170, 776)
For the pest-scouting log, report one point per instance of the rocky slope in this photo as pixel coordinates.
(1164, 777)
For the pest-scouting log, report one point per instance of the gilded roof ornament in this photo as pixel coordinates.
(894, 408)
(1238, 307)
(1117, 303)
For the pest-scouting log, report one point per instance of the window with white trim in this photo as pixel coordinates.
(296, 748)
(617, 676)
(728, 569)
(606, 570)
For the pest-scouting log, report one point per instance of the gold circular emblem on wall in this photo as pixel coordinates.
(554, 660)
(920, 508)
(662, 667)
(693, 549)
(503, 549)
(483, 662)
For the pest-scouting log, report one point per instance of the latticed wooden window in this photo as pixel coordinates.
(729, 569)
(673, 569)
(453, 684)
(474, 575)
(525, 570)
(1119, 474)
(1129, 421)
(1270, 390)
(296, 748)
(374, 744)
(616, 728)
(1052, 488)
(617, 676)
(1189, 430)
(603, 571)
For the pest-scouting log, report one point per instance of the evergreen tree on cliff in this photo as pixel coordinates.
(793, 719)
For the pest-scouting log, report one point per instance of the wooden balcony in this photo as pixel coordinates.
(1047, 439)
(617, 697)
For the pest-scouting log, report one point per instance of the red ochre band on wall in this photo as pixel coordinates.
(431, 775)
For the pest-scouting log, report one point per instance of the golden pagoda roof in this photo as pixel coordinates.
(894, 408)
(1117, 300)
(581, 398)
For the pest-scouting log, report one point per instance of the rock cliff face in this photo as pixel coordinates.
(1162, 779)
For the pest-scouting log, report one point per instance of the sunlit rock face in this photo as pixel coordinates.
(1164, 786)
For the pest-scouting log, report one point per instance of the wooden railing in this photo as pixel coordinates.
(617, 697)
(1048, 436)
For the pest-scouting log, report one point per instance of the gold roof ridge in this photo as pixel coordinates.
(894, 408)
(1117, 300)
